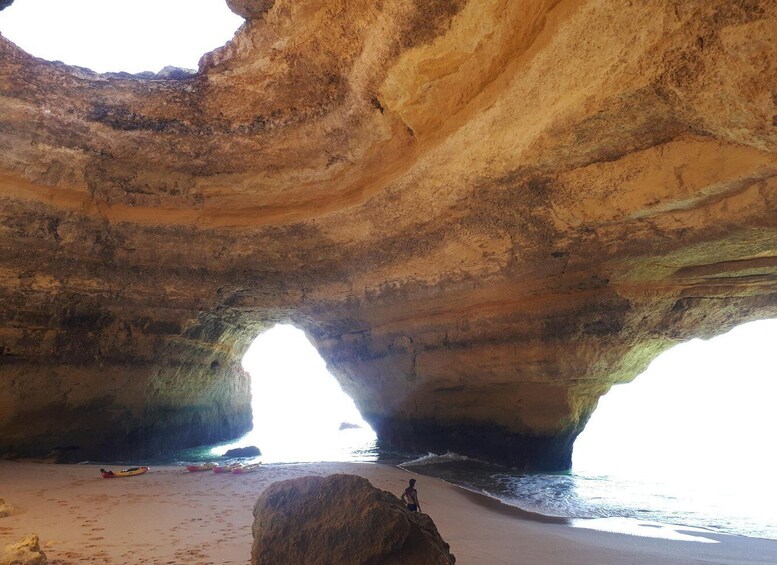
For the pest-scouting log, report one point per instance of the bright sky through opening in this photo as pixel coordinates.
(298, 406)
(694, 433)
(112, 36)
(702, 410)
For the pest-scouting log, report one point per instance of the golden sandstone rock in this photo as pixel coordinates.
(483, 214)
(26, 552)
(341, 519)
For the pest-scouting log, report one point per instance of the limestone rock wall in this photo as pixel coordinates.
(483, 214)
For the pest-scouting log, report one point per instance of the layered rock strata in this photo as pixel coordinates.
(483, 214)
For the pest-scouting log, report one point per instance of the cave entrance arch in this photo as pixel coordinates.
(300, 413)
(702, 402)
(695, 432)
(133, 37)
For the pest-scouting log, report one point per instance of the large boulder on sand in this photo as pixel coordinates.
(341, 519)
(26, 552)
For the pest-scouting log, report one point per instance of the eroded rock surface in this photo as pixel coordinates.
(341, 519)
(483, 213)
(26, 552)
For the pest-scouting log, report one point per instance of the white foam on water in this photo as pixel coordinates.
(645, 529)
(433, 458)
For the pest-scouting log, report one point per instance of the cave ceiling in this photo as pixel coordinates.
(483, 214)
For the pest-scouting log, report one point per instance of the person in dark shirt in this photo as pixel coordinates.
(410, 497)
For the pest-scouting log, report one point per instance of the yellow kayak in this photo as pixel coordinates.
(131, 472)
(246, 469)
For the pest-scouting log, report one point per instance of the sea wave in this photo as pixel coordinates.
(434, 458)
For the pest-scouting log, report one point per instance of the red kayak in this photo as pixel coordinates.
(227, 469)
(204, 467)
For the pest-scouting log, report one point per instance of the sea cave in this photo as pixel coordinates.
(482, 214)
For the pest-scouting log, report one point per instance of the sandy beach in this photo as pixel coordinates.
(172, 516)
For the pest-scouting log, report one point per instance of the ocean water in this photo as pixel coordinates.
(732, 504)
(738, 505)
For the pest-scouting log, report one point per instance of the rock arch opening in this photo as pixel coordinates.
(131, 37)
(690, 432)
(703, 403)
(300, 413)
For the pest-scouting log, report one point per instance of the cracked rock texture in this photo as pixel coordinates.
(483, 214)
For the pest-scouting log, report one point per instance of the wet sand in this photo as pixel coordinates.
(172, 516)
